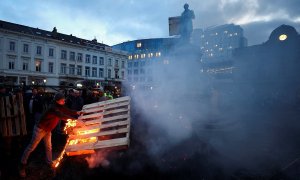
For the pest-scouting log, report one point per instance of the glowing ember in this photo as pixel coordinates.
(81, 152)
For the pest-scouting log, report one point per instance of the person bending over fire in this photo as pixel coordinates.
(42, 130)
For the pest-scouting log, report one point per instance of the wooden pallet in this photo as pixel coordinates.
(107, 124)
(12, 116)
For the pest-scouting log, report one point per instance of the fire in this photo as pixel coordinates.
(69, 129)
(70, 123)
(84, 140)
(60, 157)
(82, 132)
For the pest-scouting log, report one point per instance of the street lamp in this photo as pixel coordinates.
(45, 85)
(32, 82)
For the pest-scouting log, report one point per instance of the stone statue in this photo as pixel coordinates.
(186, 24)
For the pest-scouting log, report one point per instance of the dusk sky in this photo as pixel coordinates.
(115, 21)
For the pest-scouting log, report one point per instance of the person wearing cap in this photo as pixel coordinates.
(42, 130)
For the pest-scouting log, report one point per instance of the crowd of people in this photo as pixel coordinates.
(44, 113)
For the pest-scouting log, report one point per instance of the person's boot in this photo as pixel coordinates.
(22, 170)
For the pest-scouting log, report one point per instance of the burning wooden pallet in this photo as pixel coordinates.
(106, 125)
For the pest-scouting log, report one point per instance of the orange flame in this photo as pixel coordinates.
(70, 123)
(60, 157)
(82, 132)
(84, 140)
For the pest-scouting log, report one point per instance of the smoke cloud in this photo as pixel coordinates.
(236, 129)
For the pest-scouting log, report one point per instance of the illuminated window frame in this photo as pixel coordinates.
(138, 44)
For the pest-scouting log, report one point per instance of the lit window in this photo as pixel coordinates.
(143, 56)
(225, 32)
(38, 66)
(216, 33)
(157, 54)
(139, 44)
(282, 37)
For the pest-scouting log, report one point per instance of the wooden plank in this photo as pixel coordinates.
(113, 118)
(111, 143)
(98, 126)
(82, 146)
(93, 126)
(16, 112)
(9, 115)
(2, 108)
(100, 115)
(91, 116)
(22, 114)
(3, 129)
(115, 124)
(98, 145)
(103, 108)
(126, 98)
(101, 133)
(81, 152)
(107, 119)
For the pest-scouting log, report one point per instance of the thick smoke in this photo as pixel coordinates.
(238, 129)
